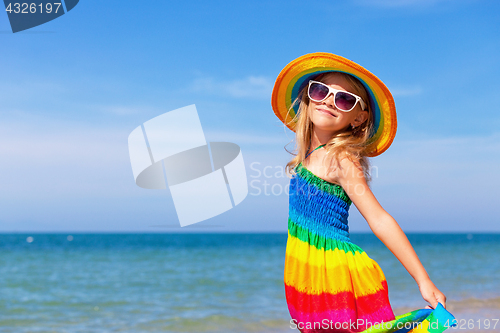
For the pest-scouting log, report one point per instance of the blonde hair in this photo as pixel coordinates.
(351, 143)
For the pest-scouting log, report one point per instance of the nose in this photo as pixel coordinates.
(330, 100)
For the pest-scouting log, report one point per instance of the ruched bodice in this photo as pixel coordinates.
(318, 205)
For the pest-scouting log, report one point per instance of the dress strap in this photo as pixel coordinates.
(314, 149)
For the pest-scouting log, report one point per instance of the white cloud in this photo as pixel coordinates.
(435, 162)
(253, 87)
(59, 171)
(120, 110)
(48, 159)
(240, 137)
(63, 175)
(34, 88)
(125, 110)
(441, 183)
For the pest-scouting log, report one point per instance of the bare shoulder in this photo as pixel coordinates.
(346, 168)
(353, 181)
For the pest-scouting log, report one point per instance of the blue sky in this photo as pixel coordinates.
(73, 89)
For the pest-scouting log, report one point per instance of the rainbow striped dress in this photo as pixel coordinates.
(331, 285)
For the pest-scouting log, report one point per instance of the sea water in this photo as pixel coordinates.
(211, 282)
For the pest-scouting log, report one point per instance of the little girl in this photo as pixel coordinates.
(344, 114)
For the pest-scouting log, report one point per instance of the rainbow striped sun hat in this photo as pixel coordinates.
(296, 75)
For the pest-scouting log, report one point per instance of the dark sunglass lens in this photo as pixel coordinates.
(344, 101)
(318, 92)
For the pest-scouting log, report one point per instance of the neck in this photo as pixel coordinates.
(320, 137)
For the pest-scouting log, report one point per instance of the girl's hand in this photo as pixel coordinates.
(431, 294)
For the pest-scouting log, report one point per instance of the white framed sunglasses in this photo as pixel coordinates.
(344, 101)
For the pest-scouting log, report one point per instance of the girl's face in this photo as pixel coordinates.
(325, 116)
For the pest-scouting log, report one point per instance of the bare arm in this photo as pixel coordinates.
(385, 227)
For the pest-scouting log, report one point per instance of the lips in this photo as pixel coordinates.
(327, 112)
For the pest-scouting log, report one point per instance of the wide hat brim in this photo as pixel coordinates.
(296, 75)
